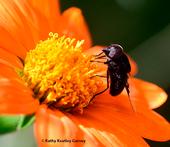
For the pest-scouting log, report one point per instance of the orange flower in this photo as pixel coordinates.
(108, 121)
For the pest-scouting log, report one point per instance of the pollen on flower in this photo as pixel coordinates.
(60, 74)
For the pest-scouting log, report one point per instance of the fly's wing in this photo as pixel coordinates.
(126, 63)
(117, 83)
(123, 62)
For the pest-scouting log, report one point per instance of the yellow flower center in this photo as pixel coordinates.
(61, 75)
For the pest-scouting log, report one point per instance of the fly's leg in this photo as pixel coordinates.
(97, 61)
(128, 92)
(101, 57)
(99, 54)
(127, 88)
(104, 89)
(98, 76)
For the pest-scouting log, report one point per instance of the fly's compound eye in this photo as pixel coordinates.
(106, 51)
(113, 51)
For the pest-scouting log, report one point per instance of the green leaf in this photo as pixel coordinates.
(25, 121)
(14, 123)
(8, 123)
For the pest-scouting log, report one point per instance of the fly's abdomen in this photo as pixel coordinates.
(117, 83)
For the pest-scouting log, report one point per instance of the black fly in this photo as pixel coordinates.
(118, 69)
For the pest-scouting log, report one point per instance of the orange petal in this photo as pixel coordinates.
(94, 129)
(55, 125)
(37, 22)
(73, 25)
(50, 9)
(10, 44)
(13, 20)
(146, 123)
(94, 50)
(21, 25)
(143, 96)
(7, 72)
(15, 98)
(146, 91)
(153, 127)
(9, 59)
(108, 130)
